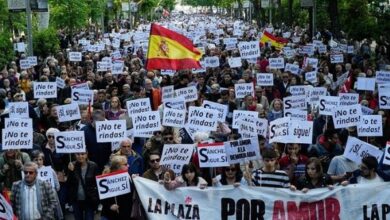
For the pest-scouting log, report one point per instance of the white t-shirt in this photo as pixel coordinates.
(377, 179)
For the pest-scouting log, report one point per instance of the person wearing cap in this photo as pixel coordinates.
(269, 175)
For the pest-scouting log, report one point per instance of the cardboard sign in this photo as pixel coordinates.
(113, 184)
(366, 84)
(243, 89)
(249, 49)
(238, 113)
(386, 157)
(138, 106)
(6, 212)
(313, 62)
(32, 60)
(346, 116)
(279, 130)
(311, 77)
(147, 121)
(68, 112)
(301, 133)
(24, 64)
(211, 61)
(18, 123)
(167, 92)
(296, 114)
(336, 58)
(307, 49)
(221, 109)
(174, 156)
(347, 99)
(45, 90)
(17, 139)
(110, 131)
(356, 150)
(45, 173)
(382, 77)
(234, 62)
(276, 63)
(212, 155)
(82, 96)
(260, 125)
(294, 69)
(117, 67)
(294, 102)
(176, 103)
(170, 73)
(188, 93)
(370, 126)
(315, 94)
(60, 82)
(75, 56)
(366, 110)
(384, 99)
(243, 150)
(103, 66)
(80, 86)
(18, 110)
(174, 117)
(247, 129)
(299, 90)
(265, 79)
(70, 142)
(202, 118)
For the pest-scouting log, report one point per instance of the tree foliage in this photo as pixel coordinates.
(6, 48)
(69, 14)
(45, 42)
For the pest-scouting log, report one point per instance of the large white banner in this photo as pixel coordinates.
(361, 201)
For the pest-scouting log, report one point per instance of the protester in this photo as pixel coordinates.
(11, 166)
(134, 160)
(155, 172)
(189, 177)
(231, 175)
(368, 173)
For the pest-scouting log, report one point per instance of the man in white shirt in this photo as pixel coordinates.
(368, 172)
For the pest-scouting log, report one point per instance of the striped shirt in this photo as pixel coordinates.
(277, 179)
(31, 204)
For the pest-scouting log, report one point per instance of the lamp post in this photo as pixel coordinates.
(29, 28)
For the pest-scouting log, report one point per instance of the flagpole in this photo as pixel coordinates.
(147, 54)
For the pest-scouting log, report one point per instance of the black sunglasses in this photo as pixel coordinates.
(28, 172)
(155, 160)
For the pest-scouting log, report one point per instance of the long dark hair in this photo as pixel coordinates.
(190, 167)
(318, 166)
(237, 177)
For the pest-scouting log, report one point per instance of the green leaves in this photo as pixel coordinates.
(46, 42)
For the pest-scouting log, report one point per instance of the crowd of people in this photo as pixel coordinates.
(296, 166)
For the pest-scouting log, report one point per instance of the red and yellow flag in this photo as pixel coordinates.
(277, 42)
(170, 50)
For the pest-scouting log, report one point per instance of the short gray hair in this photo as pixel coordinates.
(31, 164)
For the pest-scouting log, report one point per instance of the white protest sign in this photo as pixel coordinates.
(138, 106)
(147, 121)
(167, 92)
(82, 96)
(202, 118)
(296, 114)
(243, 150)
(260, 124)
(279, 130)
(117, 67)
(366, 84)
(294, 69)
(384, 99)
(315, 94)
(17, 139)
(370, 126)
(174, 117)
(294, 102)
(75, 56)
(276, 63)
(221, 109)
(313, 62)
(170, 73)
(322, 49)
(45, 90)
(176, 103)
(103, 66)
(211, 61)
(110, 131)
(68, 112)
(356, 150)
(18, 110)
(113, 184)
(70, 142)
(346, 116)
(249, 49)
(347, 99)
(382, 77)
(234, 62)
(80, 86)
(174, 156)
(247, 129)
(32, 60)
(288, 52)
(212, 155)
(307, 49)
(188, 93)
(60, 82)
(311, 77)
(243, 89)
(366, 110)
(45, 173)
(386, 157)
(24, 64)
(265, 79)
(238, 113)
(336, 58)
(18, 123)
(6, 212)
(301, 133)
(299, 90)
(20, 47)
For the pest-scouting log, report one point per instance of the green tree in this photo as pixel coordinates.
(6, 48)
(46, 42)
(69, 14)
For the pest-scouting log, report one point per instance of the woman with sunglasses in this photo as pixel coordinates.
(119, 207)
(230, 175)
(189, 177)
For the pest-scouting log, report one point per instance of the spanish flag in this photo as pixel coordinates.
(277, 42)
(170, 50)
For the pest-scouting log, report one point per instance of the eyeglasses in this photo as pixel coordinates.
(28, 172)
(155, 160)
(50, 136)
(168, 138)
(230, 169)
